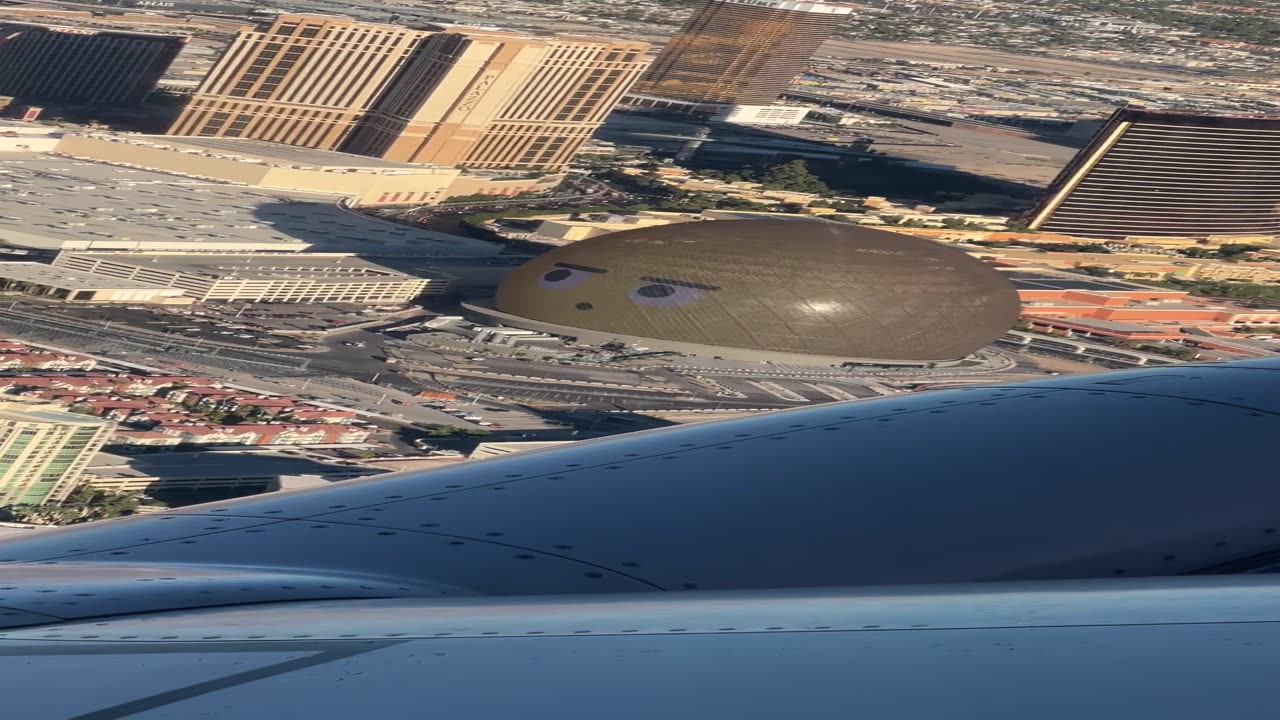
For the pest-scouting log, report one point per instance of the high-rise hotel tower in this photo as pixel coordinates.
(1149, 173)
(44, 450)
(471, 98)
(298, 80)
(497, 100)
(739, 52)
(77, 66)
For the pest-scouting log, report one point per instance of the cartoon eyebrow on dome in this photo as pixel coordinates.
(583, 268)
(680, 283)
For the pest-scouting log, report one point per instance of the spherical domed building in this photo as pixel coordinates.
(785, 287)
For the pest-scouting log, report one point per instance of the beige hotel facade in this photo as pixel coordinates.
(467, 98)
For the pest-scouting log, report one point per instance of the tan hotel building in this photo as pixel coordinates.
(495, 100)
(298, 80)
(469, 98)
(44, 450)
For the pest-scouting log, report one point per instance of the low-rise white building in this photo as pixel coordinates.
(500, 449)
(260, 277)
(762, 114)
(23, 137)
(62, 283)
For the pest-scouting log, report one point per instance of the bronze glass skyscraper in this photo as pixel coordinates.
(740, 52)
(47, 63)
(1169, 174)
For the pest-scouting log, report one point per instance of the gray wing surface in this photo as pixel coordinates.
(1177, 648)
(1051, 549)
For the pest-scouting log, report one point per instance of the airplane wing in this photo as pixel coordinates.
(1176, 648)
(1037, 537)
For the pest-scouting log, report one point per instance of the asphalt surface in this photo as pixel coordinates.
(567, 384)
(137, 344)
(350, 369)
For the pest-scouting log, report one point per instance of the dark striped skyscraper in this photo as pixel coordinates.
(75, 66)
(740, 52)
(1150, 173)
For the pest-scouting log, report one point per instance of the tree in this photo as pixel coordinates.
(689, 202)
(959, 224)
(1180, 352)
(637, 184)
(794, 176)
(455, 431)
(1094, 270)
(743, 174)
(1248, 292)
(1234, 249)
(85, 503)
(738, 203)
(1196, 252)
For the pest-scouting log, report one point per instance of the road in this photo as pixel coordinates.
(579, 383)
(781, 385)
(879, 51)
(138, 344)
(349, 368)
(338, 371)
(340, 374)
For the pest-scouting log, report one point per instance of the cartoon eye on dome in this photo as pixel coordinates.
(564, 276)
(667, 292)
